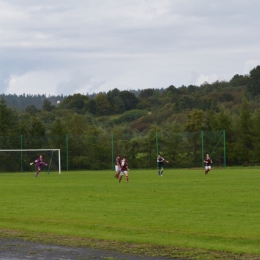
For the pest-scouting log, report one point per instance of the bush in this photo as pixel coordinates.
(130, 116)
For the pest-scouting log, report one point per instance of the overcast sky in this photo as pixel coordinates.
(85, 46)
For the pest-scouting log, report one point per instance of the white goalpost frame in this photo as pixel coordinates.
(34, 150)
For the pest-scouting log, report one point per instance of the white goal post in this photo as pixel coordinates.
(35, 150)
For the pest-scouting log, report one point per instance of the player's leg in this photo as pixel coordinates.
(120, 176)
(117, 171)
(39, 169)
(161, 171)
(126, 176)
(206, 170)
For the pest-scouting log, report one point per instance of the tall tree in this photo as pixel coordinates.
(254, 83)
(37, 128)
(239, 80)
(58, 127)
(245, 128)
(194, 121)
(23, 127)
(76, 102)
(256, 136)
(195, 124)
(59, 130)
(112, 95)
(76, 124)
(31, 109)
(145, 93)
(129, 99)
(47, 106)
(119, 105)
(91, 106)
(6, 118)
(103, 106)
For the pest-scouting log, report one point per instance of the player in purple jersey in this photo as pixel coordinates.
(207, 163)
(39, 163)
(124, 169)
(117, 166)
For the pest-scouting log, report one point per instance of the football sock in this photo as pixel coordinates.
(126, 177)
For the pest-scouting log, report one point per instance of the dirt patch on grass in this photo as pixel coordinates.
(23, 245)
(14, 249)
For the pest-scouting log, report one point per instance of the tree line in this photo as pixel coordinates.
(232, 106)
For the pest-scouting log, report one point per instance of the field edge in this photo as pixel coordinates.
(169, 252)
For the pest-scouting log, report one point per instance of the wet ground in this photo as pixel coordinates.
(12, 249)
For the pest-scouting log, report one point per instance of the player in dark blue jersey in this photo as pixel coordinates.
(160, 161)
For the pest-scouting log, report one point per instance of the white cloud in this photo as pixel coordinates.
(203, 78)
(35, 82)
(251, 64)
(80, 82)
(56, 47)
(211, 78)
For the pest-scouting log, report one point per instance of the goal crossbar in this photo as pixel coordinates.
(34, 150)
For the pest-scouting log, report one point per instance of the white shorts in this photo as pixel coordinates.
(124, 172)
(208, 167)
(117, 168)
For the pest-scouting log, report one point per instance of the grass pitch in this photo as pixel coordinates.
(183, 209)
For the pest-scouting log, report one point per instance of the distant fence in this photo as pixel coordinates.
(79, 152)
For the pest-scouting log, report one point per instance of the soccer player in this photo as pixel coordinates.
(117, 166)
(207, 163)
(160, 161)
(39, 162)
(124, 170)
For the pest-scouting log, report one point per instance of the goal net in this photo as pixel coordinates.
(15, 160)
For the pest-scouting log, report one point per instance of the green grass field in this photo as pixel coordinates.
(183, 209)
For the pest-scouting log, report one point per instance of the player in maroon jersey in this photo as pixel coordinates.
(207, 163)
(39, 162)
(124, 170)
(117, 166)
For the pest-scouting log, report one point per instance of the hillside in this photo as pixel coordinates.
(231, 106)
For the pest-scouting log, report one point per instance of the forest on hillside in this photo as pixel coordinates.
(173, 118)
